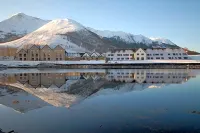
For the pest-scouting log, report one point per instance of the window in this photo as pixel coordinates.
(157, 57)
(179, 58)
(142, 54)
(127, 58)
(122, 58)
(60, 58)
(174, 54)
(118, 58)
(152, 58)
(148, 58)
(142, 58)
(36, 54)
(138, 54)
(138, 58)
(32, 58)
(168, 54)
(125, 54)
(20, 55)
(111, 54)
(48, 58)
(24, 58)
(179, 53)
(161, 54)
(162, 58)
(185, 57)
(20, 59)
(56, 58)
(119, 54)
(24, 54)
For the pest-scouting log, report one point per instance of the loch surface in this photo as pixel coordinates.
(100, 100)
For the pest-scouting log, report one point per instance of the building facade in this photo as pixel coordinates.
(120, 54)
(37, 53)
(140, 54)
(59, 53)
(166, 54)
(7, 53)
(34, 53)
(21, 55)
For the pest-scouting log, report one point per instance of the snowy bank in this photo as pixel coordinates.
(92, 62)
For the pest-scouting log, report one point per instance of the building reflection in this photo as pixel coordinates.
(68, 88)
(148, 76)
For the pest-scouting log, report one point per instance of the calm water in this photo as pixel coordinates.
(100, 101)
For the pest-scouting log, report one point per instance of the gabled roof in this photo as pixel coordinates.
(86, 55)
(18, 50)
(95, 54)
(58, 46)
(37, 46)
(45, 46)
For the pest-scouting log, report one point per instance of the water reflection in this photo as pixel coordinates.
(69, 88)
(113, 100)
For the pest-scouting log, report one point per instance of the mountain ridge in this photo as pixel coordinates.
(72, 35)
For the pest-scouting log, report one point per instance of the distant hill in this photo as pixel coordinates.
(189, 52)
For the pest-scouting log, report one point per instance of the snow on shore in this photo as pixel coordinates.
(92, 62)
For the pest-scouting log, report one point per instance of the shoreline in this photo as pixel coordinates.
(101, 64)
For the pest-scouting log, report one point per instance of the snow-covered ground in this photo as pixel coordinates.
(34, 63)
(34, 70)
(92, 62)
(154, 61)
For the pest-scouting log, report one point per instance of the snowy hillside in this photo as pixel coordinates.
(162, 40)
(127, 37)
(19, 25)
(21, 30)
(51, 34)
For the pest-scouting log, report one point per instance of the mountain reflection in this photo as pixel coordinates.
(64, 89)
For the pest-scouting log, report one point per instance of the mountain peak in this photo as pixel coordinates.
(20, 24)
(61, 26)
(19, 14)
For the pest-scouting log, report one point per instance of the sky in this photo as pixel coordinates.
(177, 20)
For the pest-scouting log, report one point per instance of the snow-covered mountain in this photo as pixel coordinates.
(65, 32)
(162, 41)
(19, 25)
(70, 34)
(126, 37)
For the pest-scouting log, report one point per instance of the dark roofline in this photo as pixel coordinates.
(21, 50)
(47, 46)
(35, 45)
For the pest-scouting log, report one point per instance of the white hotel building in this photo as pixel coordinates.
(146, 54)
(126, 54)
(166, 54)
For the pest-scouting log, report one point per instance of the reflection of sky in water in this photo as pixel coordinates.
(151, 109)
